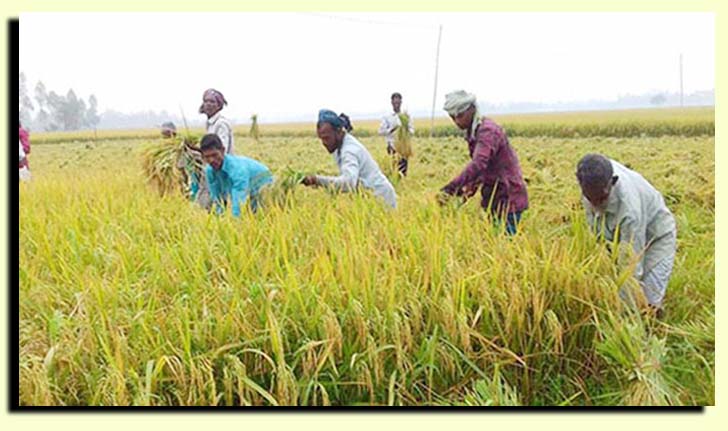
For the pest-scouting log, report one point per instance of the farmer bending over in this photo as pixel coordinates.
(620, 202)
(232, 178)
(494, 166)
(356, 165)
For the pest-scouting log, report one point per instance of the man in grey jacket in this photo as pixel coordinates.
(620, 204)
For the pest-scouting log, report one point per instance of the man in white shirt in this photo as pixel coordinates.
(388, 128)
(356, 165)
(621, 204)
(212, 104)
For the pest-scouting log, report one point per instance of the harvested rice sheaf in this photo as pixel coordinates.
(403, 141)
(168, 164)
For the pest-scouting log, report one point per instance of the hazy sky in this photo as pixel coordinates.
(282, 65)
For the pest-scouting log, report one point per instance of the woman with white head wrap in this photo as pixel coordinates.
(494, 166)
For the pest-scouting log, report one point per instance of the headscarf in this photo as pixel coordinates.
(216, 96)
(346, 121)
(458, 101)
(329, 116)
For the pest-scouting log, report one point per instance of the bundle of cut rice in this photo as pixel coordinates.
(403, 140)
(281, 193)
(290, 179)
(169, 163)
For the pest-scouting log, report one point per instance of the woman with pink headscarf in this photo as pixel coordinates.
(212, 103)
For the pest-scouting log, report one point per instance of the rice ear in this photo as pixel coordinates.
(403, 140)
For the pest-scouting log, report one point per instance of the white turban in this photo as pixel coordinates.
(458, 101)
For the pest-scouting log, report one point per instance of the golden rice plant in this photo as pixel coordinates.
(403, 140)
(129, 299)
(290, 178)
(691, 121)
(638, 357)
(286, 181)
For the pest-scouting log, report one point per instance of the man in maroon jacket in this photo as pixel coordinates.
(494, 166)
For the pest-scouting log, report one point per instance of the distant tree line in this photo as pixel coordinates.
(48, 111)
(43, 110)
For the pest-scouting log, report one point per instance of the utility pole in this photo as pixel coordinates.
(681, 81)
(434, 93)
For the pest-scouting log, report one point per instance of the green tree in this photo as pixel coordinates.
(67, 113)
(43, 117)
(92, 117)
(72, 111)
(56, 109)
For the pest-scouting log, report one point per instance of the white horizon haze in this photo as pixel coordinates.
(289, 65)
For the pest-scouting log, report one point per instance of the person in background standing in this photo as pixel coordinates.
(388, 128)
(212, 103)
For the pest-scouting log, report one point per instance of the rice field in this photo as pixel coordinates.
(692, 121)
(130, 298)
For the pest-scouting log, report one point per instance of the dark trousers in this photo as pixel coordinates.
(402, 166)
(512, 220)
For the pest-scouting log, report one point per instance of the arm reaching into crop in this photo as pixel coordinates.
(484, 150)
(631, 232)
(349, 176)
(214, 189)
